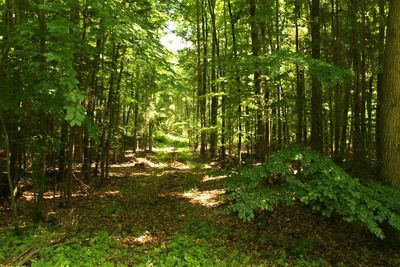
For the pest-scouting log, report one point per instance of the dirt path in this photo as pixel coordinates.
(145, 204)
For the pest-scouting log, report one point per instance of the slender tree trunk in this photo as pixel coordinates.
(300, 99)
(379, 84)
(255, 47)
(69, 168)
(338, 89)
(238, 82)
(199, 68)
(39, 161)
(214, 88)
(62, 154)
(136, 120)
(203, 100)
(316, 90)
(8, 169)
(357, 138)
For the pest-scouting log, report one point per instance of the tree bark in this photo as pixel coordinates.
(379, 87)
(316, 88)
(390, 167)
(300, 99)
(238, 82)
(203, 99)
(8, 169)
(214, 88)
(255, 47)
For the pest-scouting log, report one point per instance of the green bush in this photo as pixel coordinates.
(299, 174)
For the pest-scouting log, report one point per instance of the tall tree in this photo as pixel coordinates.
(256, 48)
(390, 167)
(214, 88)
(316, 89)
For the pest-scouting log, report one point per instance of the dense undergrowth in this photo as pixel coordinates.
(198, 243)
(297, 174)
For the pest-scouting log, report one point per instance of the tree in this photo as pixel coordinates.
(390, 167)
(316, 90)
(255, 49)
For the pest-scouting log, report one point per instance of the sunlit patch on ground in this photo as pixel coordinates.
(30, 196)
(141, 174)
(213, 178)
(168, 149)
(145, 238)
(141, 163)
(179, 166)
(111, 193)
(210, 198)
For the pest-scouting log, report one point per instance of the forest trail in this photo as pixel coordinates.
(162, 210)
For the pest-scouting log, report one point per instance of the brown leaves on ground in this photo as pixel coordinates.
(145, 203)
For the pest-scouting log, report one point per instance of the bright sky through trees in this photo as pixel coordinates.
(173, 42)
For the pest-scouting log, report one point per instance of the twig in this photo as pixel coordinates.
(85, 186)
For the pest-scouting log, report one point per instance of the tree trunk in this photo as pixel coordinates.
(255, 47)
(316, 90)
(214, 88)
(300, 99)
(390, 167)
(235, 54)
(203, 100)
(8, 169)
(379, 86)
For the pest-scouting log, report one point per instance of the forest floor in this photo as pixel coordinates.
(164, 210)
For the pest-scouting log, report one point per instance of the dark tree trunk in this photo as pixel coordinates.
(316, 88)
(390, 167)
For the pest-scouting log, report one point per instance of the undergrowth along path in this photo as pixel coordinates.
(164, 211)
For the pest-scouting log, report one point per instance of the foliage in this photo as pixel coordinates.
(82, 250)
(298, 174)
(275, 64)
(302, 247)
(196, 245)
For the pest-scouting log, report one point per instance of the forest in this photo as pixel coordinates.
(199, 133)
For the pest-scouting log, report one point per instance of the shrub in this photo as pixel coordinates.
(299, 174)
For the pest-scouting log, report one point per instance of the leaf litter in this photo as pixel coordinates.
(144, 204)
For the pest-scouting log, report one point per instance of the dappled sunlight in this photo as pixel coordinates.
(110, 193)
(179, 166)
(30, 196)
(209, 198)
(139, 162)
(145, 238)
(213, 178)
(168, 149)
(141, 174)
